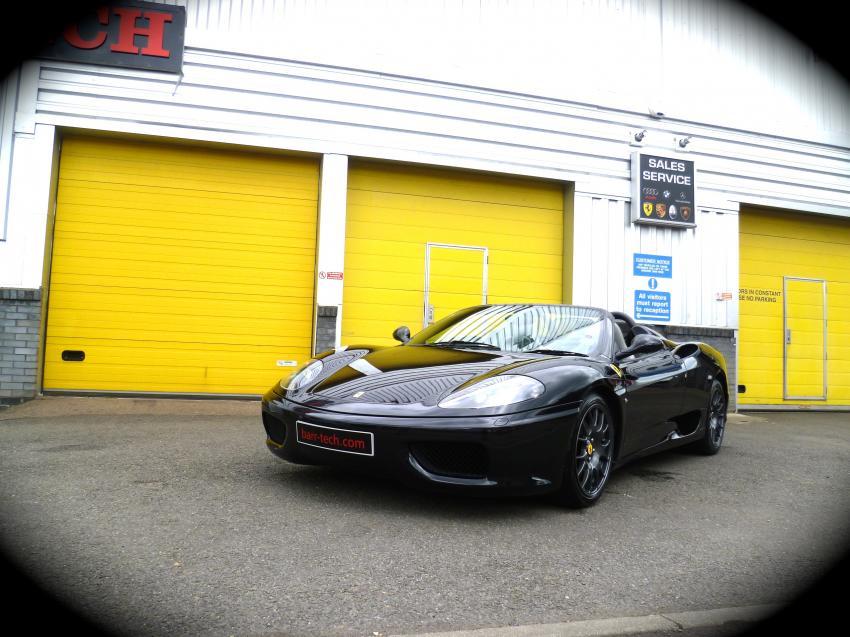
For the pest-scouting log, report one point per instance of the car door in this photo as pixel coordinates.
(654, 384)
(695, 384)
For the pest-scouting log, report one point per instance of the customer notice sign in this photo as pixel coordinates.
(663, 190)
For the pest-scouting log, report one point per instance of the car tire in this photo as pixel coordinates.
(590, 454)
(714, 425)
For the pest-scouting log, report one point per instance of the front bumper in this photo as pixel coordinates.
(516, 454)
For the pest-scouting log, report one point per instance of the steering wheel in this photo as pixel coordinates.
(624, 317)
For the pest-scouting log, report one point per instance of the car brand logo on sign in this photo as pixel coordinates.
(663, 190)
(142, 35)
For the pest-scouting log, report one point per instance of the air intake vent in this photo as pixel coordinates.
(452, 459)
(275, 428)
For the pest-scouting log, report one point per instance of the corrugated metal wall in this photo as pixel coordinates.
(227, 97)
(702, 60)
(8, 99)
(704, 260)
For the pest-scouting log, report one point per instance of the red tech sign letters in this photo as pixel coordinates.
(129, 34)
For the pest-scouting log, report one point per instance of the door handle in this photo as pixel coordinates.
(429, 314)
(787, 336)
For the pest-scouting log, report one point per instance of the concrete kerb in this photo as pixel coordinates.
(621, 625)
(56, 406)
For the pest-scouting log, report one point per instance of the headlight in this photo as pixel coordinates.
(302, 377)
(495, 392)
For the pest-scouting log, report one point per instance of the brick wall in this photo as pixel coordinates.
(721, 339)
(20, 318)
(325, 328)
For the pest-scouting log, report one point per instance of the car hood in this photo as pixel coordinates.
(404, 375)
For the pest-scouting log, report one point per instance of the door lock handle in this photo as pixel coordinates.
(787, 336)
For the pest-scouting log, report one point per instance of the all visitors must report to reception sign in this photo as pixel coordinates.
(652, 306)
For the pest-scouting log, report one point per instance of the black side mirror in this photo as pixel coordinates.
(402, 334)
(641, 344)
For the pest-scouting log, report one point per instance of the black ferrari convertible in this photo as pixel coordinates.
(512, 399)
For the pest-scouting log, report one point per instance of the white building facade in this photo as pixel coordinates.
(317, 172)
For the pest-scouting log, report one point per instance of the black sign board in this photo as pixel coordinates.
(141, 35)
(663, 190)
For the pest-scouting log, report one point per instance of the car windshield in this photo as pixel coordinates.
(519, 328)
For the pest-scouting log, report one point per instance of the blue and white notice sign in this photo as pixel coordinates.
(655, 265)
(653, 274)
(652, 306)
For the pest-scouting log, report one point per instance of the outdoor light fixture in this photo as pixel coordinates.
(684, 141)
(639, 136)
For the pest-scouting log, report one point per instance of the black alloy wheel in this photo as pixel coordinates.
(591, 454)
(715, 421)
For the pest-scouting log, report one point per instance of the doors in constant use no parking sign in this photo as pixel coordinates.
(804, 338)
(455, 278)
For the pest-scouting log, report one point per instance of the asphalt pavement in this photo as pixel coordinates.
(171, 518)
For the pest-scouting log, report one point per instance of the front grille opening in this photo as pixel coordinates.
(275, 428)
(451, 459)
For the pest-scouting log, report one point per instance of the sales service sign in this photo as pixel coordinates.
(663, 191)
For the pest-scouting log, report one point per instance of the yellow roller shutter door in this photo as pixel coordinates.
(794, 340)
(489, 232)
(179, 269)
